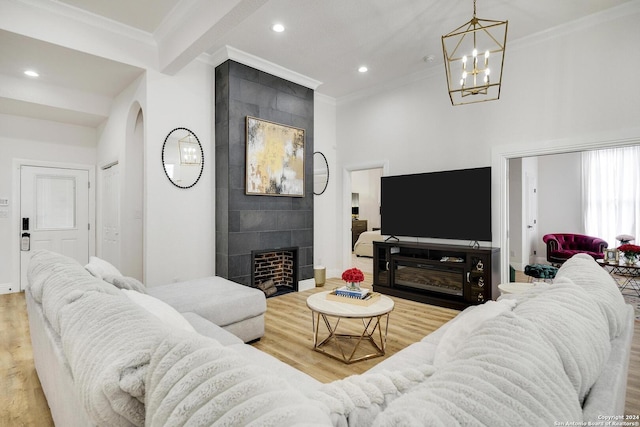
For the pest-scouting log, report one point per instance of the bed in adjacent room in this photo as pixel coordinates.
(364, 244)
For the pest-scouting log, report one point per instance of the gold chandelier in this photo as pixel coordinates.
(469, 50)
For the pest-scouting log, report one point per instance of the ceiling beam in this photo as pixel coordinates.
(54, 96)
(60, 24)
(191, 32)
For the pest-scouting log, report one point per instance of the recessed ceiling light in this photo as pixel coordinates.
(31, 73)
(278, 28)
(363, 69)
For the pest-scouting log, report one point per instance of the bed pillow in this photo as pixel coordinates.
(124, 282)
(160, 309)
(100, 268)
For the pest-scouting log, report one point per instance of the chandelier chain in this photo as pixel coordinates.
(474, 8)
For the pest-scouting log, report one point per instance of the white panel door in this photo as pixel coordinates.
(531, 206)
(111, 215)
(54, 207)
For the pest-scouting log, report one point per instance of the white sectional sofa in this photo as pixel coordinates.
(555, 353)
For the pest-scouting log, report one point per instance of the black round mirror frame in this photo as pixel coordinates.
(326, 183)
(201, 158)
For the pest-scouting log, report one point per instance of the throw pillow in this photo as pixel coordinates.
(465, 324)
(160, 309)
(100, 268)
(124, 282)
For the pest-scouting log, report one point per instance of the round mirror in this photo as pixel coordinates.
(182, 158)
(320, 173)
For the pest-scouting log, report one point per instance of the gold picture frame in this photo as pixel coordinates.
(274, 159)
(611, 256)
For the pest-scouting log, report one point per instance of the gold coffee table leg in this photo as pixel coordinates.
(371, 327)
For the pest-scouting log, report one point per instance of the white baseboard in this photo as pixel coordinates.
(8, 288)
(517, 266)
(306, 284)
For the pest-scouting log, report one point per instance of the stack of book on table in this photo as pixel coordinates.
(358, 297)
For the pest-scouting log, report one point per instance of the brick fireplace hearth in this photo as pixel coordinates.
(279, 265)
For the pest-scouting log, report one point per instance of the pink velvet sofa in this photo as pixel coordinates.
(562, 246)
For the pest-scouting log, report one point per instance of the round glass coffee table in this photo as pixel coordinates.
(348, 342)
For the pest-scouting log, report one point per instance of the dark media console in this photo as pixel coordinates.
(445, 275)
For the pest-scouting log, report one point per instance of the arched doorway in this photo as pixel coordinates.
(132, 198)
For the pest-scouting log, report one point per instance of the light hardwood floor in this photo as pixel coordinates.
(288, 334)
(288, 337)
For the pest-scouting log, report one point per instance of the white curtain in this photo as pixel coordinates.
(611, 193)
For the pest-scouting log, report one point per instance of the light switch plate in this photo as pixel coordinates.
(4, 201)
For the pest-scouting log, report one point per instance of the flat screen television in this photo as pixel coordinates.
(453, 204)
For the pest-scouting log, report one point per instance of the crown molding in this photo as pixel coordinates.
(71, 12)
(427, 73)
(326, 99)
(589, 21)
(227, 52)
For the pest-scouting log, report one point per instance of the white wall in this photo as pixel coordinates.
(179, 222)
(112, 147)
(326, 236)
(570, 84)
(559, 196)
(132, 209)
(39, 140)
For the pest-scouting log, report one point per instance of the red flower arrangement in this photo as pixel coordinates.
(630, 250)
(353, 275)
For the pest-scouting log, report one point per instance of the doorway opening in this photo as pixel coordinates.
(361, 211)
(500, 177)
(132, 212)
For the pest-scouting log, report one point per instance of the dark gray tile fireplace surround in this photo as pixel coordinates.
(246, 223)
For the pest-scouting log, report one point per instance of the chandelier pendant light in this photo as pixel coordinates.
(189, 150)
(474, 58)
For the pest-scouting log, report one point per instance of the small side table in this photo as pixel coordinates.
(344, 346)
(514, 287)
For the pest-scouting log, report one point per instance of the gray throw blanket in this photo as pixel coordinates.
(195, 381)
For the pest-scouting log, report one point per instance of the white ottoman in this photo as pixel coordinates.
(237, 308)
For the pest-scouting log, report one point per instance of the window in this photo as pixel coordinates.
(611, 193)
(55, 202)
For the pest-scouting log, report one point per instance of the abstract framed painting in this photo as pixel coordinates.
(274, 159)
